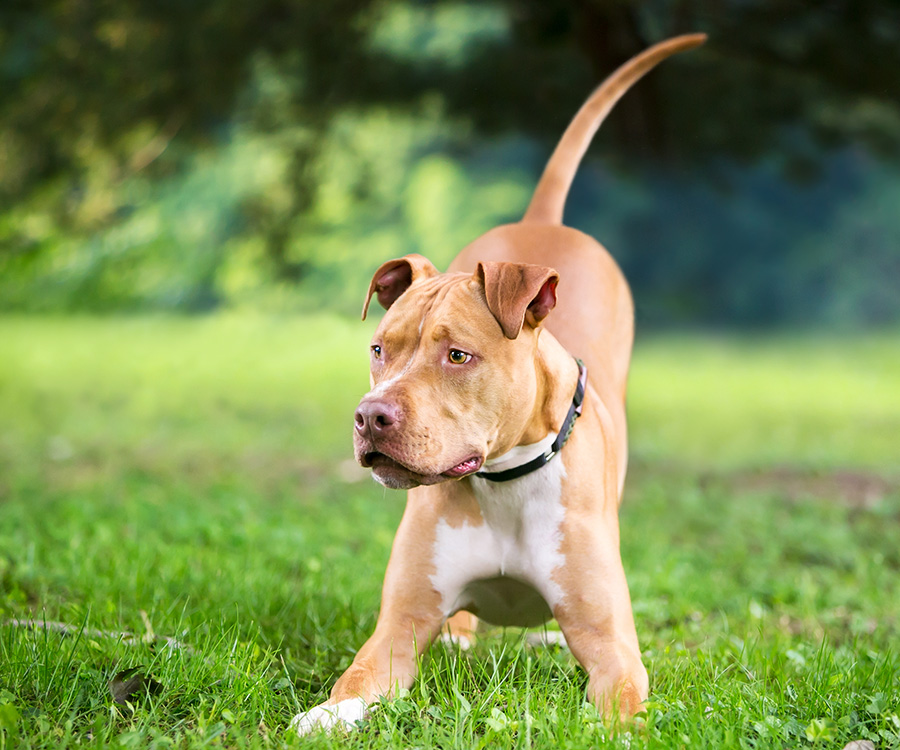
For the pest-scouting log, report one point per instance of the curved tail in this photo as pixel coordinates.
(549, 197)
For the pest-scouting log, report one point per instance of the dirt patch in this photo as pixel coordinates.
(856, 489)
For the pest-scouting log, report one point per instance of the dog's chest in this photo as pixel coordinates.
(502, 568)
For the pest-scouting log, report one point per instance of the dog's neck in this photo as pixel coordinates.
(556, 375)
(519, 455)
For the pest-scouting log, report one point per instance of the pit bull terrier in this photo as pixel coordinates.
(514, 451)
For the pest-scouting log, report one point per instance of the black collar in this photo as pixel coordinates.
(564, 433)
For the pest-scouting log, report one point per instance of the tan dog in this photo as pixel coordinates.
(473, 396)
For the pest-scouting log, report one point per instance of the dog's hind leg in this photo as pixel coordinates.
(460, 630)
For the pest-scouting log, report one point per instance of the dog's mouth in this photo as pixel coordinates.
(464, 468)
(395, 475)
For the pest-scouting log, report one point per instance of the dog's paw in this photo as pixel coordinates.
(325, 717)
(462, 642)
(546, 638)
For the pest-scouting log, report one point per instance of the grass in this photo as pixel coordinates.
(189, 478)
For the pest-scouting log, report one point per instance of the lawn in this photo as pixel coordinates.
(189, 479)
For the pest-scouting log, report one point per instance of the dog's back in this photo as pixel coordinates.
(594, 316)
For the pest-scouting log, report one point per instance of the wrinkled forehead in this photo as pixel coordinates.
(442, 305)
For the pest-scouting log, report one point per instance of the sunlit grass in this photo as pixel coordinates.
(194, 470)
(816, 401)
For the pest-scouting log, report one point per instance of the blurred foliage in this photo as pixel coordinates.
(163, 155)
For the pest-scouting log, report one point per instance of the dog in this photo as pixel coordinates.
(513, 451)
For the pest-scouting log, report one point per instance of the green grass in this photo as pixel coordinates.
(195, 471)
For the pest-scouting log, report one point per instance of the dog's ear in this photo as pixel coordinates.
(395, 277)
(518, 293)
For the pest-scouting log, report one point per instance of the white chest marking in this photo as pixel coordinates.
(520, 539)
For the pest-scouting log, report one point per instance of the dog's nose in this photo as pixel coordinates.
(376, 417)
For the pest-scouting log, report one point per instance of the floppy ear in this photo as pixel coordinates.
(395, 277)
(518, 293)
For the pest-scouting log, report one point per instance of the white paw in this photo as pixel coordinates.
(463, 642)
(343, 715)
(546, 638)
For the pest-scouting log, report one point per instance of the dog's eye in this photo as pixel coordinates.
(376, 351)
(457, 357)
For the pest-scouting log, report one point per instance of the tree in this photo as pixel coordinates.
(96, 92)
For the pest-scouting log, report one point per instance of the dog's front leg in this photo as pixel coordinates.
(410, 619)
(596, 619)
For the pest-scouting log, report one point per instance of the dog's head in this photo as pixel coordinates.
(452, 368)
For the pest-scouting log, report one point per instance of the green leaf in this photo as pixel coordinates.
(877, 704)
(820, 730)
(497, 726)
(465, 706)
(9, 719)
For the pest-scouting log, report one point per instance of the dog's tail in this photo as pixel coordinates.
(549, 197)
